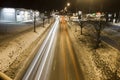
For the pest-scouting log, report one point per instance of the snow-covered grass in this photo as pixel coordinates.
(100, 64)
(13, 49)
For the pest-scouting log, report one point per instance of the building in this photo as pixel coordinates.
(18, 15)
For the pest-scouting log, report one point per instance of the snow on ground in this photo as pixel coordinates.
(12, 47)
(100, 64)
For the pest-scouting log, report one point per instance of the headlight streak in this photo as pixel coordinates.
(42, 54)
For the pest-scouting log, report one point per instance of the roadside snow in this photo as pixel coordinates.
(12, 47)
(100, 64)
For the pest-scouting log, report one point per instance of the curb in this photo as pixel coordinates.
(4, 77)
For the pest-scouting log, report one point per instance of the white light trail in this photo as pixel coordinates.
(42, 53)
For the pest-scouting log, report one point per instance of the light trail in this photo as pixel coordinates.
(38, 64)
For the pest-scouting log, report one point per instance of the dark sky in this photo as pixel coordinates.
(85, 5)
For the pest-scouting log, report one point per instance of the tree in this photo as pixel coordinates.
(48, 16)
(99, 26)
(43, 18)
(43, 21)
(80, 22)
(81, 26)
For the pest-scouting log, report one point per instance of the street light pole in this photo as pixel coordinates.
(68, 5)
(34, 21)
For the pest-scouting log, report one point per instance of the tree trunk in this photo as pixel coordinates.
(81, 31)
(43, 22)
(34, 23)
(98, 39)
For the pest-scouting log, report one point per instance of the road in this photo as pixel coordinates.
(56, 59)
(65, 65)
(40, 66)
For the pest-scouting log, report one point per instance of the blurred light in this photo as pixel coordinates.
(115, 15)
(98, 14)
(109, 15)
(94, 14)
(37, 13)
(11, 10)
(79, 12)
(65, 8)
(68, 4)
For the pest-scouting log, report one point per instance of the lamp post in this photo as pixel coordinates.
(34, 21)
(68, 5)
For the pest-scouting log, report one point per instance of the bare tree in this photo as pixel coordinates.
(81, 26)
(99, 26)
(43, 21)
(43, 18)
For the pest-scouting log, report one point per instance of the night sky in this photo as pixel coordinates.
(84, 5)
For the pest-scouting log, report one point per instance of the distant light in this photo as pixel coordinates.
(109, 15)
(79, 12)
(114, 14)
(94, 14)
(98, 13)
(65, 8)
(68, 4)
(37, 13)
(11, 10)
(22, 12)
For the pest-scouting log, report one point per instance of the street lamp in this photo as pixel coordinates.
(68, 4)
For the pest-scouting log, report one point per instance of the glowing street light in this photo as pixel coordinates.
(68, 4)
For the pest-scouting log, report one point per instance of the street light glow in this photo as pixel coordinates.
(65, 8)
(68, 4)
